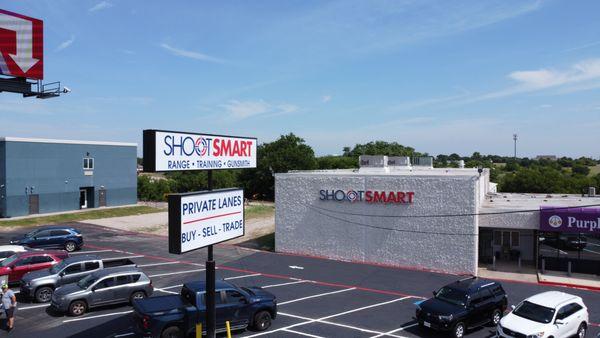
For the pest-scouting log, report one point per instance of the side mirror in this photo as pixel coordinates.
(513, 307)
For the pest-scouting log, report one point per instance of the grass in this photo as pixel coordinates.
(256, 211)
(79, 216)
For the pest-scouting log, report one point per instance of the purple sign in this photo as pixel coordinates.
(559, 219)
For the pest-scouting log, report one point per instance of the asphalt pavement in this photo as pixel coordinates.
(316, 297)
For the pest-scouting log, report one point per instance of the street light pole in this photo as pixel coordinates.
(515, 139)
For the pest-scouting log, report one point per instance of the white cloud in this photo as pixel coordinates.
(100, 6)
(65, 44)
(245, 109)
(543, 106)
(326, 98)
(191, 54)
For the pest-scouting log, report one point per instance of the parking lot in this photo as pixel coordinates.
(316, 297)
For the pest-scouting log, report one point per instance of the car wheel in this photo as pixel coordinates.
(459, 330)
(171, 332)
(496, 316)
(70, 246)
(581, 330)
(43, 294)
(137, 295)
(77, 308)
(262, 320)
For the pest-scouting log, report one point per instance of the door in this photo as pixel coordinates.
(481, 307)
(58, 238)
(103, 292)
(222, 309)
(42, 239)
(83, 199)
(71, 274)
(236, 308)
(568, 315)
(102, 197)
(20, 268)
(34, 204)
(123, 288)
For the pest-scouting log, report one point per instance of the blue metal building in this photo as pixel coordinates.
(42, 176)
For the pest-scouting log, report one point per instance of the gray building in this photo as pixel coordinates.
(42, 176)
(396, 213)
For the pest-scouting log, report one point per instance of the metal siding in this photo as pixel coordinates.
(56, 173)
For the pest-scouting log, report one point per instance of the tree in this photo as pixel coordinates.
(336, 162)
(287, 153)
(383, 148)
(579, 169)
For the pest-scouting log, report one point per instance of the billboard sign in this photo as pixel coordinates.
(573, 220)
(200, 219)
(181, 151)
(21, 46)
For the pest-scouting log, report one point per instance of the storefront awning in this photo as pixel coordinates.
(584, 220)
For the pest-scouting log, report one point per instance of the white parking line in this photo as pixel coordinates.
(244, 276)
(324, 320)
(124, 335)
(315, 296)
(21, 308)
(166, 291)
(98, 316)
(592, 251)
(402, 328)
(302, 333)
(173, 287)
(176, 273)
(157, 264)
(283, 284)
(89, 252)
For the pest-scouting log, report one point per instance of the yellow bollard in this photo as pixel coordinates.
(228, 329)
(199, 330)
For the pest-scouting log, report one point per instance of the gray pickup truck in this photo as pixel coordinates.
(41, 284)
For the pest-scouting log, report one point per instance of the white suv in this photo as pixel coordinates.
(548, 314)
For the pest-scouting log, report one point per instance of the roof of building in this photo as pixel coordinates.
(551, 299)
(522, 201)
(402, 171)
(41, 140)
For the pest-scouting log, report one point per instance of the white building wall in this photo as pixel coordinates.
(342, 230)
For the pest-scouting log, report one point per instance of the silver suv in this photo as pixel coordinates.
(104, 287)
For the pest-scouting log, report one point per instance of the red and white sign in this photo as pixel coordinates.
(21, 46)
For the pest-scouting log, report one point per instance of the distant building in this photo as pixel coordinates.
(42, 176)
(546, 157)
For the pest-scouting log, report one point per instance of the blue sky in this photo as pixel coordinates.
(440, 76)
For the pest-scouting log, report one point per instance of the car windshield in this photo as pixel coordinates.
(452, 296)
(31, 234)
(87, 281)
(537, 313)
(9, 260)
(55, 269)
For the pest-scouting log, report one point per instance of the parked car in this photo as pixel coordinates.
(176, 316)
(103, 287)
(548, 314)
(9, 250)
(14, 267)
(59, 237)
(41, 284)
(462, 305)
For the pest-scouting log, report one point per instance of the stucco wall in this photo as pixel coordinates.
(444, 243)
(55, 171)
(519, 220)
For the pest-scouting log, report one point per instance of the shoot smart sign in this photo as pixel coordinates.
(200, 219)
(178, 151)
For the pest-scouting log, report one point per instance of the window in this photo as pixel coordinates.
(92, 266)
(122, 280)
(497, 237)
(106, 283)
(75, 268)
(568, 310)
(136, 278)
(514, 238)
(41, 259)
(45, 233)
(5, 254)
(24, 261)
(497, 290)
(88, 163)
(234, 297)
(56, 233)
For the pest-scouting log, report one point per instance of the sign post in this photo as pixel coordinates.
(201, 219)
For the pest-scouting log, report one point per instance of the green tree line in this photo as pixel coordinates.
(290, 152)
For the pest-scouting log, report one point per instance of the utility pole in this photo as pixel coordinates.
(515, 139)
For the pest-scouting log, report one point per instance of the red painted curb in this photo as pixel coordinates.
(569, 285)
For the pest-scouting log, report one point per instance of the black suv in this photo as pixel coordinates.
(464, 304)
